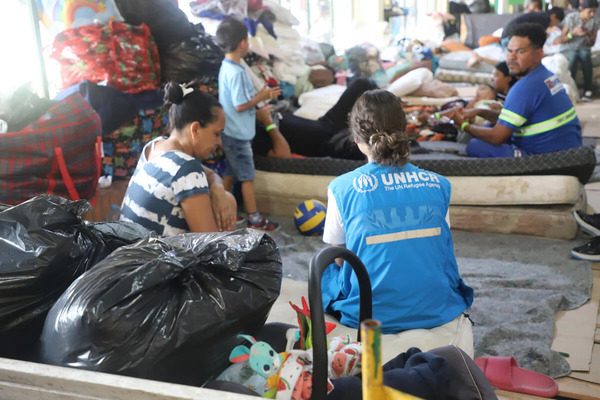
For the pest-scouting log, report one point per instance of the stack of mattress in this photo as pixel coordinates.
(533, 195)
(453, 68)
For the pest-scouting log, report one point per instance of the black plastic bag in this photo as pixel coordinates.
(167, 309)
(168, 24)
(22, 108)
(45, 246)
(109, 236)
(196, 57)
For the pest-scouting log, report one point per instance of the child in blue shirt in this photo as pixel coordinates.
(239, 101)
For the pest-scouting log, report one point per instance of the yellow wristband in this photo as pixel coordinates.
(569, 35)
(437, 115)
(270, 127)
(464, 125)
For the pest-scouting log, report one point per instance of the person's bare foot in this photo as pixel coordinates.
(473, 60)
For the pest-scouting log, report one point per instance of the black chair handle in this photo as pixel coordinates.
(318, 265)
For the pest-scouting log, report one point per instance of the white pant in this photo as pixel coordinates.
(458, 332)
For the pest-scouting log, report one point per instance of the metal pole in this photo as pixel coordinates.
(35, 24)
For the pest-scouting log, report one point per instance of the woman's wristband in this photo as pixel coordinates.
(569, 36)
(437, 115)
(270, 127)
(464, 125)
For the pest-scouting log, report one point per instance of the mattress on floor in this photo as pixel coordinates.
(578, 162)
(280, 193)
(554, 222)
(427, 101)
(526, 205)
(457, 75)
(458, 60)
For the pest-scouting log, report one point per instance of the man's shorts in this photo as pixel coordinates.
(239, 160)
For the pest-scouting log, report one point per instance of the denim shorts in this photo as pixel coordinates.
(239, 160)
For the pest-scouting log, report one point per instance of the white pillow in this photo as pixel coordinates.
(410, 82)
(257, 46)
(316, 103)
(281, 14)
(285, 31)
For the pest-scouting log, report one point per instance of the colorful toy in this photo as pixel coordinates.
(261, 357)
(288, 375)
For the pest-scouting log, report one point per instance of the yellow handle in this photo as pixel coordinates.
(372, 368)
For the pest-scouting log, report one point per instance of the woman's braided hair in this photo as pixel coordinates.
(378, 120)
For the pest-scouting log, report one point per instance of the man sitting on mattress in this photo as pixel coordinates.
(538, 116)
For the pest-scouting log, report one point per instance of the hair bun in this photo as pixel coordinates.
(173, 93)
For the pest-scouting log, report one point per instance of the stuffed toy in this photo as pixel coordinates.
(288, 375)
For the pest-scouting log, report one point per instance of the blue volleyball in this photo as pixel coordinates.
(309, 217)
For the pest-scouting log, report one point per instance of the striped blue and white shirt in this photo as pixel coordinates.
(158, 186)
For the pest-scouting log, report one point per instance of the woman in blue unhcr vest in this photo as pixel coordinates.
(394, 216)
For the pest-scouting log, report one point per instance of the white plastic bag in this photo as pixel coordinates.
(558, 65)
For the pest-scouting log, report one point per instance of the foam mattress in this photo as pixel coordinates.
(527, 205)
(290, 189)
(533, 195)
(578, 162)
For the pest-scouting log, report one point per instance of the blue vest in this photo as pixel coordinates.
(394, 219)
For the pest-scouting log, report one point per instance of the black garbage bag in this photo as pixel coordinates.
(22, 108)
(167, 309)
(168, 24)
(195, 57)
(109, 236)
(45, 246)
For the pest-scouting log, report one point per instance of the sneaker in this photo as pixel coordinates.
(588, 223)
(240, 220)
(589, 251)
(264, 225)
(587, 96)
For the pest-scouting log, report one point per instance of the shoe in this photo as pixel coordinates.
(264, 225)
(588, 223)
(505, 374)
(587, 96)
(240, 220)
(589, 251)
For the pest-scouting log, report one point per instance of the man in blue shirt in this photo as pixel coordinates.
(538, 116)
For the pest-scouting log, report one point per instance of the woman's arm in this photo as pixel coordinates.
(198, 213)
(224, 209)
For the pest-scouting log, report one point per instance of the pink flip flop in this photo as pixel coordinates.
(504, 373)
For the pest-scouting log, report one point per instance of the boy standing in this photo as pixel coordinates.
(239, 100)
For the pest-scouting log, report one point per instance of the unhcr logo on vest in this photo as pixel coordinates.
(365, 183)
(410, 180)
